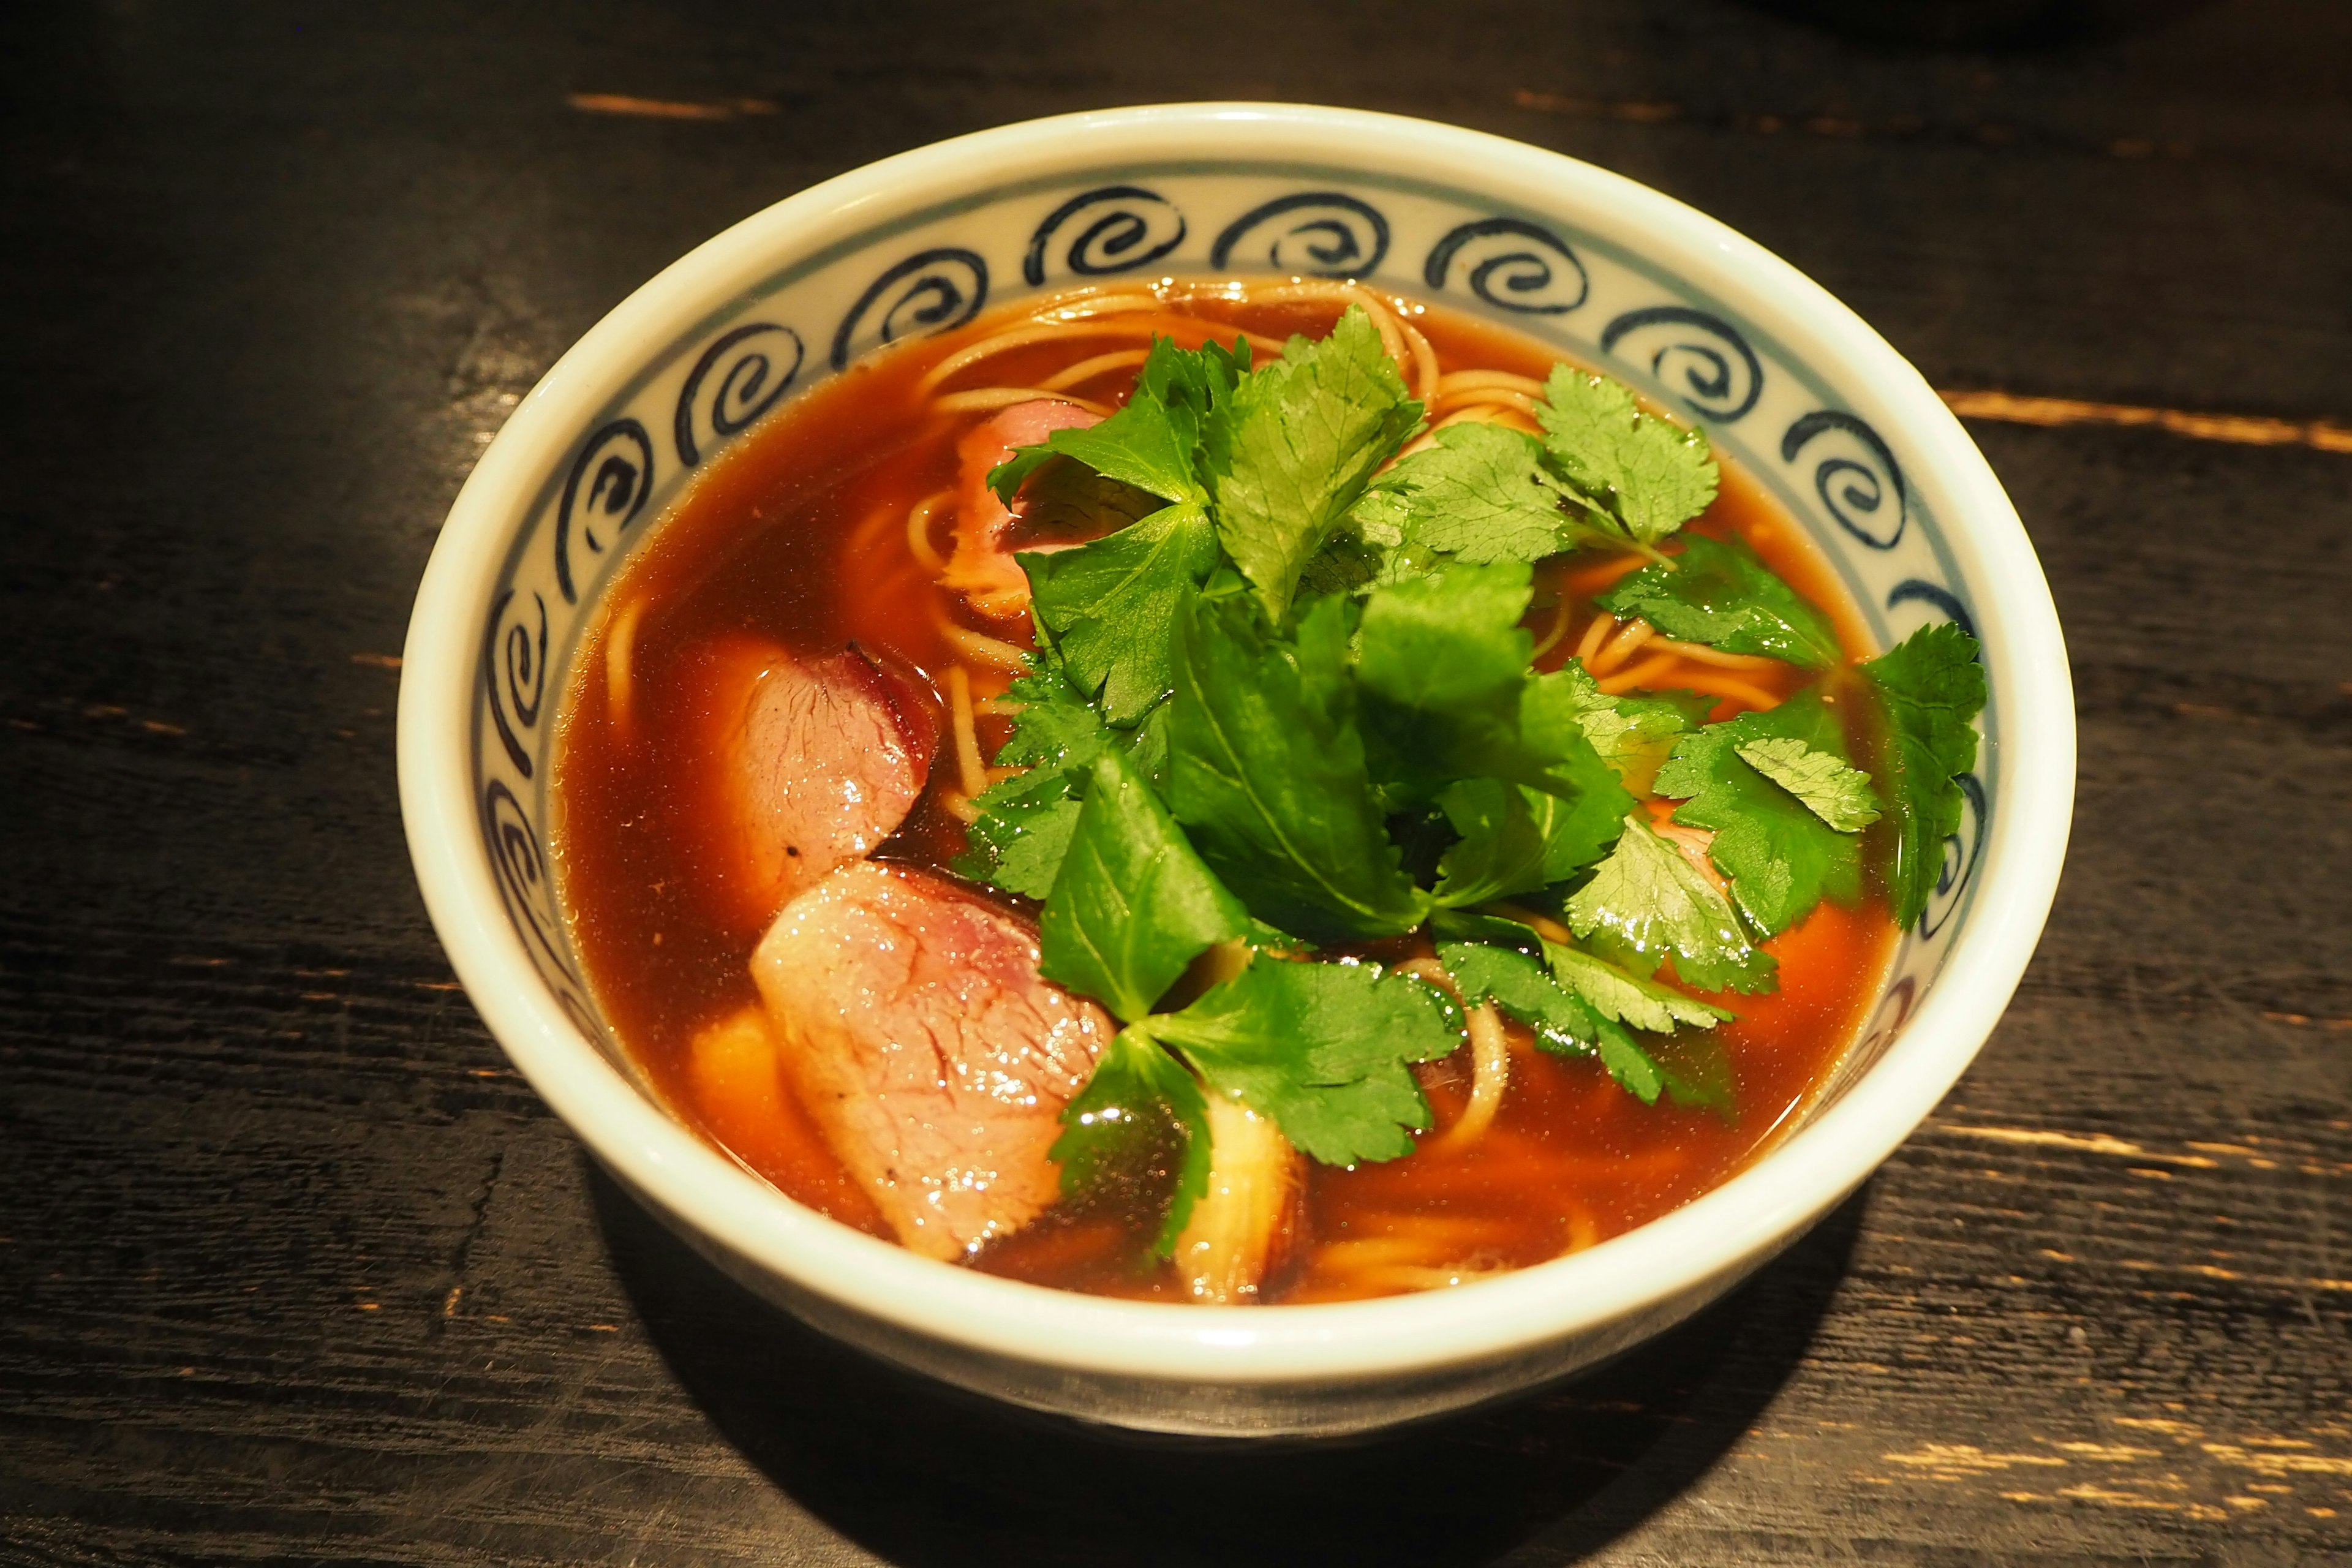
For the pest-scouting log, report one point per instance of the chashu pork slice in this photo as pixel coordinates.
(809, 762)
(918, 1034)
(983, 568)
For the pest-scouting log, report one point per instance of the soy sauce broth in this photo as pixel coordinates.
(797, 534)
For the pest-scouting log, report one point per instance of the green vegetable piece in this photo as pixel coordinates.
(1112, 605)
(1653, 474)
(1484, 494)
(1698, 1073)
(1292, 448)
(1838, 795)
(1651, 903)
(1930, 688)
(1266, 773)
(1624, 998)
(1450, 641)
(1720, 593)
(1516, 840)
(1633, 734)
(1780, 856)
(1153, 442)
(1563, 1023)
(1323, 1049)
(1139, 1110)
(1132, 905)
(1021, 833)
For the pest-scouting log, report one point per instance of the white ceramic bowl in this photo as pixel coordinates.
(1787, 381)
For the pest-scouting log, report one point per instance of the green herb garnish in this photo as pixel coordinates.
(1286, 688)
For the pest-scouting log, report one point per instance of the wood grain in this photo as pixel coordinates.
(293, 1268)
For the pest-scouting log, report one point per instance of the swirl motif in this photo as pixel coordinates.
(514, 668)
(1514, 266)
(743, 393)
(1320, 234)
(1934, 593)
(513, 844)
(1846, 480)
(1127, 228)
(1962, 851)
(931, 291)
(1721, 377)
(620, 457)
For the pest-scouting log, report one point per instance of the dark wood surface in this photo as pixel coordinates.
(293, 1267)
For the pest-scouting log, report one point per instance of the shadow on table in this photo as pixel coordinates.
(923, 1474)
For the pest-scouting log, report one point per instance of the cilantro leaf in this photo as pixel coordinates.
(1563, 1023)
(1930, 688)
(1138, 1108)
(1292, 446)
(1779, 857)
(1651, 903)
(1323, 1049)
(1111, 605)
(1132, 905)
(1719, 592)
(1516, 840)
(1484, 494)
(1650, 473)
(1632, 733)
(1838, 795)
(1267, 773)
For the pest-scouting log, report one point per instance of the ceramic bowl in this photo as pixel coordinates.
(1788, 381)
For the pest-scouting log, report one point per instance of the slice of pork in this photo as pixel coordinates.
(919, 1036)
(810, 761)
(982, 569)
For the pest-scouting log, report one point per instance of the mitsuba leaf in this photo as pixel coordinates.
(1266, 773)
(1632, 733)
(1154, 441)
(1449, 642)
(1650, 473)
(1483, 493)
(1132, 905)
(1516, 840)
(1838, 795)
(1141, 1118)
(1292, 446)
(1021, 833)
(1624, 998)
(1025, 823)
(1563, 1023)
(1930, 688)
(1323, 1049)
(1650, 903)
(1779, 856)
(1719, 592)
(1112, 605)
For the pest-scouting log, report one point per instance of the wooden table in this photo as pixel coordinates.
(293, 1267)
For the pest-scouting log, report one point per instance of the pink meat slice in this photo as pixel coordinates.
(815, 761)
(983, 568)
(918, 1034)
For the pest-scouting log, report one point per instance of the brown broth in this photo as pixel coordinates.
(795, 537)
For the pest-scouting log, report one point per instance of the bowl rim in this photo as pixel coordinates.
(1718, 1234)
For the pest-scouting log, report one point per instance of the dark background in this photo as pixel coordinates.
(292, 1267)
